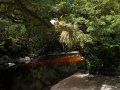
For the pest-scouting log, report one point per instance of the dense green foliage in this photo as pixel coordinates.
(25, 25)
(97, 31)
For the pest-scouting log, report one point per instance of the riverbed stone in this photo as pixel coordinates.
(81, 81)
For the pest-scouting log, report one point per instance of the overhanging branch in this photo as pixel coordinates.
(30, 15)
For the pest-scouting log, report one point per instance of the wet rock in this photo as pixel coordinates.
(11, 64)
(6, 57)
(26, 60)
(32, 55)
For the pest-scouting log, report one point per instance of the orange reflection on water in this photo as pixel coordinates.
(62, 59)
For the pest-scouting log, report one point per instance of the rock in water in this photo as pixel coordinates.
(27, 59)
(11, 64)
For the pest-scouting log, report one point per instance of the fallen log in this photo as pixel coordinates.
(27, 62)
(61, 59)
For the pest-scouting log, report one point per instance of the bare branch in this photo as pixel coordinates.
(6, 2)
(15, 20)
(30, 15)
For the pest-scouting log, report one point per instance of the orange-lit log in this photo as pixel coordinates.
(62, 59)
